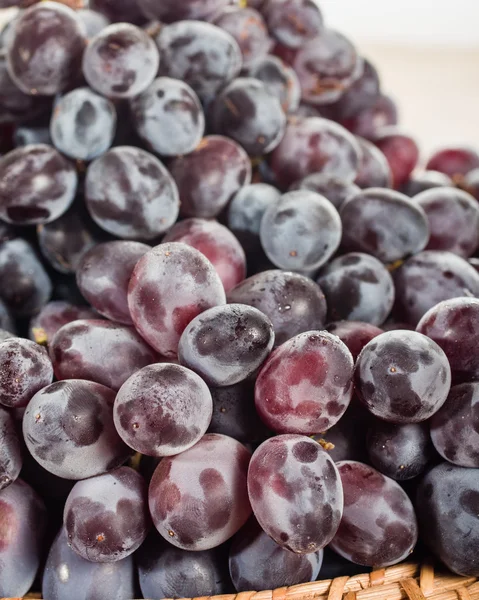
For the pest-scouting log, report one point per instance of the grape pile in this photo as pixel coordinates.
(239, 314)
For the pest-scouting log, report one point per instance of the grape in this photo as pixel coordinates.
(454, 162)
(305, 386)
(447, 513)
(293, 22)
(295, 492)
(402, 377)
(121, 61)
(10, 450)
(217, 243)
(169, 11)
(83, 124)
(357, 288)
(26, 369)
(106, 517)
(453, 217)
(68, 428)
(428, 278)
(6, 322)
(199, 499)
(160, 313)
(210, 176)
(54, 315)
(374, 169)
(336, 190)
(426, 180)
(37, 185)
(163, 410)
(67, 576)
(26, 287)
(401, 452)
(168, 116)
(226, 344)
(103, 276)
(31, 133)
(44, 55)
(124, 11)
(314, 145)
(291, 301)
(401, 152)
(326, 66)
(383, 223)
(370, 121)
(355, 334)
(257, 562)
(471, 183)
(379, 527)
(300, 232)
(130, 194)
(200, 54)
(93, 21)
(23, 517)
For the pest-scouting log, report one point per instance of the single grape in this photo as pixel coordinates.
(374, 169)
(106, 517)
(68, 428)
(93, 21)
(158, 311)
(402, 377)
(31, 133)
(54, 315)
(425, 180)
(198, 499)
(293, 22)
(401, 152)
(379, 527)
(130, 194)
(334, 189)
(169, 11)
(293, 302)
(314, 363)
(168, 116)
(217, 243)
(370, 121)
(123, 11)
(37, 185)
(355, 334)
(430, 277)
(454, 162)
(300, 518)
(11, 459)
(386, 224)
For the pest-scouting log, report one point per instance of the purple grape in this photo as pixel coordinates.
(210, 176)
(93, 21)
(374, 169)
(68, 429)
(11, 459)
(106, 517)
(355, 334)
(401, 152)
(348, 436)
(295, 492)
(130, 194)
(379, 527)
(421, 181)
(471, 183)
(37, 185)
(103, 276)
(169, 11)
(370, 121)
(402, 377)
(168, 116)
(163, 410)
(454, 162)
(123, 11)
(54, 315)
(386, 224)
(36, 133)
(334, 189)
(158, 311)
(293, 22)
(306, 385)
(100, 351)
(198, 499)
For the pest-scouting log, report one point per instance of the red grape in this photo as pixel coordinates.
(10, 450)
(355, 334)
(54, 315)
(454, 162)
(401, 152)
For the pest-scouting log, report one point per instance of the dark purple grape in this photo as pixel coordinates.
(336, 190)
(471, 183)
(301, 232)
(383, 223)
(430, 277)
(106, 517)
(295, 492)
(374, 169)
(158, 311)
(454, 162)
(93, 21)
(210, 176)
(402, 377)
(199, 499)
(401, 452)
(23, 518)
(314, 145)
(123, 11)
(421, 181)
(121, 61)
(217, 243)
(357, 288)
(103, 276)
(83, 124)
(401, 152)
(200, 54)
(256, 562)
(27, 134)
(130, 194)
(446, 507)
(168, 116)
(379, 527)
(355, 334)
(68, 429)
(68, 576)
(37, 185)
(163, 410)
(453, 217)
(45, 52)
(293, 22)
(168, 11)
(306, 384)
(54, 315)
(11, 459)
(226, 344)
(370, 121)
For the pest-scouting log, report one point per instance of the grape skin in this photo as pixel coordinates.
(401, 152)
(420, 182)
(169, 11)
(127, 11)
(293, 22)
(355, 334)
(93, 21)
(10, 450)
(454, 162)
(334, 189)
(374, 170)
